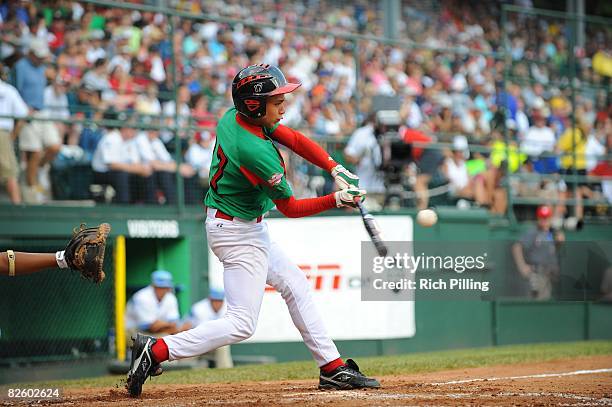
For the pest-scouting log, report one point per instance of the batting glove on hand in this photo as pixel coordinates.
(343, 178)
(349, 197)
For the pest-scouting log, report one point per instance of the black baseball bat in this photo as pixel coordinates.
(373, 230)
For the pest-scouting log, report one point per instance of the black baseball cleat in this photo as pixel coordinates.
(143, 365)
(346, 377)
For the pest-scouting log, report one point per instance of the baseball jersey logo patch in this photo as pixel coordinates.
(275, 179)
(251, 104)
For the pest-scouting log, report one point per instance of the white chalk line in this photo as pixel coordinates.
(533, 376)
(374, 395)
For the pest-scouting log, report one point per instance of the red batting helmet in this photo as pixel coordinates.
(252, 86)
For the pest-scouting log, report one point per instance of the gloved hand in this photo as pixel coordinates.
(348, 197)
(343, 178)
(85, 251)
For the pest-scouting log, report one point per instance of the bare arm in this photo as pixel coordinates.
(26, 263)
(519, 259)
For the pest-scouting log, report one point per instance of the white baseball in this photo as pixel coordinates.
(426, 218)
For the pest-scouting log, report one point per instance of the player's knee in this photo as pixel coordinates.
(244, 326)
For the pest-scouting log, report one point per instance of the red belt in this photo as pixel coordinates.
(223, 215)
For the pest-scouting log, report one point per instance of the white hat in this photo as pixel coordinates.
(39, 48)
(460, 143)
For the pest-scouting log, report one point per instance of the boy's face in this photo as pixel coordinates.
(275, 109)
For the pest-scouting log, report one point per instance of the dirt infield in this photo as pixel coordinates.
(576, 382)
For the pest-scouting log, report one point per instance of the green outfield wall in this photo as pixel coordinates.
(58, 315)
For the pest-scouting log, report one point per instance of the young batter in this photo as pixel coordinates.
(247, 179)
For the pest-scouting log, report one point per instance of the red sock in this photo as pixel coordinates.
(160, 351)
(333, 365)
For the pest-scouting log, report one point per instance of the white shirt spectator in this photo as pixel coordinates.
(158, 73)
(415, 117)
(56, 104)
(364, 146)
(471, 124)
(522, 122)
(183, 117)
(200, 157)
(594, 150)
(151, 150)
(121, 61)
(148, 105)
(143, 309)
(11, 104)
(457, 174)
(203, 311)
(537, 140)
(112, 148)
(93, 54)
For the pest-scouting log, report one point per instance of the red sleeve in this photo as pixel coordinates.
(299, 208)
(304, 147)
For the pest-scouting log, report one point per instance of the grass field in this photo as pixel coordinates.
(407, 364)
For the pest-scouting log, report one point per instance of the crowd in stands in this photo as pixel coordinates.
(78, 62)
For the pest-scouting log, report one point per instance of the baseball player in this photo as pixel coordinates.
(84, 253)
(247, 178)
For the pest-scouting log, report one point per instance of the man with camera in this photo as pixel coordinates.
(363, 151)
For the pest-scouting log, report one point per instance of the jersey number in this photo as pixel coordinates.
(222, 163)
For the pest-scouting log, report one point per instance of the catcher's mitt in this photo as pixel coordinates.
(85, 251)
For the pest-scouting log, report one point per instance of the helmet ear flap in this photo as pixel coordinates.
(253, 106)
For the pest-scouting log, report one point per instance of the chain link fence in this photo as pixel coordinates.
(55, 314)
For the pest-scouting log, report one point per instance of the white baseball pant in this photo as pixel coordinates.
(250, 260)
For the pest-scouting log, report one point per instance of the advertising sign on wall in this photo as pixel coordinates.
(328, 249)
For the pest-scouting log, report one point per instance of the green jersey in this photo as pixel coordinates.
(247, 171)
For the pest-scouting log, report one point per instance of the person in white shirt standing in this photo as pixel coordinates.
(117, 162)
(363, 151)
(11, 104)
(210, 309)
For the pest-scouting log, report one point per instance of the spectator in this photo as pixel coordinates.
(116, 161)
(184, 112)
(210, 309)
(148, 103)
(604, 169)
(428, 161)
(39, 139)
(572, 147)
(475, 125)
(11, 104)
(154, 309)
(456, 171)
(535, 255)
(540, 139)
(596, 141)
(56, 103)
(96, 79)
(153, 153)
(363, 151)
(199, 157)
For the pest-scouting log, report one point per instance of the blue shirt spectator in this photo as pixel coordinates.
(89, 139)
(30, 79)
